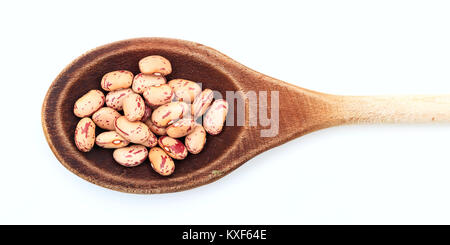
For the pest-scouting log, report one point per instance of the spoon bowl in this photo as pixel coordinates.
(299, 111)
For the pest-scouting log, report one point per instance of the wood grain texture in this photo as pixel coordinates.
(300, 111)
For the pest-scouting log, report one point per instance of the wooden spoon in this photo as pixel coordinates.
(300, 111)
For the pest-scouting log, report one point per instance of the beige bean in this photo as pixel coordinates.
(133, 107)
(169, 113)
(155, 129)
(158, 95)
(185, 90)
(173, 147)
(116, 80)
(160, 161)
(135, 132)
(130, 156)
(85, 134)
(142, 81)
(181, 128)
(110, 139)
(89, 103)
(114, 99)
(215, 117)
(105, 117)
(202, 102)
(195, 141)
(155, 64)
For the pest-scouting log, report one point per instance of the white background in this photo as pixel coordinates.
(382, 174)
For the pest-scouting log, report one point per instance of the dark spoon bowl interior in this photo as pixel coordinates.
(98, 166)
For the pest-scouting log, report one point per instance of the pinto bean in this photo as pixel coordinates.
(155, 64)
(215, 117)
(173, 147)
(185, 90)
(105, 118)
(169, 113)
(161, 162)
(130, 156)
(181, 128)
(116, 80)
(110, 139)
(158, 95)
(143, 81)
(195, 141)
(202, 102)
(85, 134)
(89, 103)
(134, 107)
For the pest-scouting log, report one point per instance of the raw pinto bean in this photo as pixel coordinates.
(155, 64)
(215, 117)
(195, 141)
(143, 81)
(147, 113)
(155, 129)
(130, 156)
(169, 113)
(185, 90)
(105, 118)
(173, 147)
(115, 99)
(85, 134)
(158, 95)
(116, 80)
(89, 103)
(161, 162)
(181, 128)
(133, 107)
(110, 139)
(135, 132)
(202, 102)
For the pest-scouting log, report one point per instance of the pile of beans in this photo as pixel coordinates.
(156, 114)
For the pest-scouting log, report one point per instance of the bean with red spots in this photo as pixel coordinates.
(133, 107)
(173, 147)
(116, 80)
(85, 134)
(89, 103)
(161, 162)
(130, 156)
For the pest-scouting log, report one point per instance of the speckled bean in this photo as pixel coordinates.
(116, 80)
(158, 95)
(133, 107)
(135, 132)
(130, 156)
(215, 117)
(105, 117)
(110, 139)
(161, 162)
(169, 113)
(155, 129)
(181, 128)
(85, 134)
(173, 147)
(114, 99)
(142, 81)
(155, 64)
(195, 141)
(202, 102)
(89, 103)
(185, 90)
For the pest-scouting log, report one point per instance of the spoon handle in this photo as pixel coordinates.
(392, 109)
